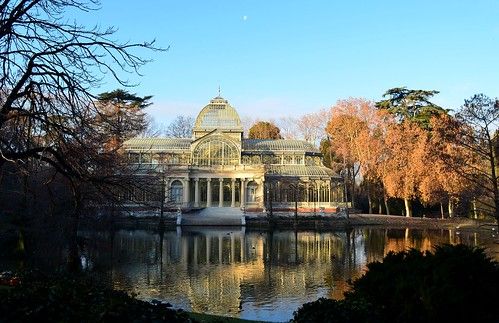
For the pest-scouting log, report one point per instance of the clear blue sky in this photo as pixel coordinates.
(287, 58)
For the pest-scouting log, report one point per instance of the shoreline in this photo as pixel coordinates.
(307, 222)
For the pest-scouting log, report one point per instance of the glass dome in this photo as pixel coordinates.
(218, 114)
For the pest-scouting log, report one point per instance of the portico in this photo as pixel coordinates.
(217, 191)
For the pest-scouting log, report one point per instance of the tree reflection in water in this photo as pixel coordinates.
(248, 274)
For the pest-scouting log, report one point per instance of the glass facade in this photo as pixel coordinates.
(215, 152)
(258, 170)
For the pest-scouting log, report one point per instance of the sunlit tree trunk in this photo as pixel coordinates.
(408, 210)
(442, 210)
(380, 208)
(451, 209)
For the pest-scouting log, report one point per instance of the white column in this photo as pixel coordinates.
(317, 192)
(196, 192)
(263, 201)
(221, 193)
(329, 193)
(186, 192)
(243, 192)
(208, 193)
(307, 189)
(233, 197)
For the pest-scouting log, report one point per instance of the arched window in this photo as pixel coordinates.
(215, 152)
(177, 192)
(251, 192)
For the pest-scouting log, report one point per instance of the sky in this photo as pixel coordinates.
(274, 59)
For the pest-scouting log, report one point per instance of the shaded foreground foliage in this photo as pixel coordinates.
(66, 299)
(452, 284)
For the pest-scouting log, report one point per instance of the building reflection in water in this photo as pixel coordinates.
(248, 274)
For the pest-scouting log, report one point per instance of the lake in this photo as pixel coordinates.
(249, 274)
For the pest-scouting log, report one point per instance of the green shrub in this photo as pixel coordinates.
(335, 311)
(67, 299)
(451, 284)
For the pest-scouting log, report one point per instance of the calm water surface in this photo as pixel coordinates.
(248, 274)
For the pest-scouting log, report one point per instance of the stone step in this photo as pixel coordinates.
(214, 216)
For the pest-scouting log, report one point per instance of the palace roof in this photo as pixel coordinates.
(299, 171)
(250, 145)
(166, 144)
(278, 145)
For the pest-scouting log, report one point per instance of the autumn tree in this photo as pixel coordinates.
(352, 122)
(264, 130)
(441, 182)
(415, 107)
(180, 127)
(372, 153)
(405, 143)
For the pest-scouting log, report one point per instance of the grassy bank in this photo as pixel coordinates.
(207, 318)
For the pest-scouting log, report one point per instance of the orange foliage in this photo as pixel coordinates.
(449, 162)
(405, 144)
(409, 161)
(357, 131)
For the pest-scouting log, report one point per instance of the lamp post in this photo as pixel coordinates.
(269, 198)
(162, 199)
(314, 188)
(343, 175)
(296, 191)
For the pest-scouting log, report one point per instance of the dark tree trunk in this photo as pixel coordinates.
(369, 199)
(353, 187)
(385, 197)
(74, 264)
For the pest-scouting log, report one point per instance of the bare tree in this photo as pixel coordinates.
(473, 134)
(181, 127)
(312, 126)
(153, 129)
(288, 126)
(49, 67)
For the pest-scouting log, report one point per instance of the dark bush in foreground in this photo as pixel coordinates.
(451, 284)
(65, 299)
(330, 310)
